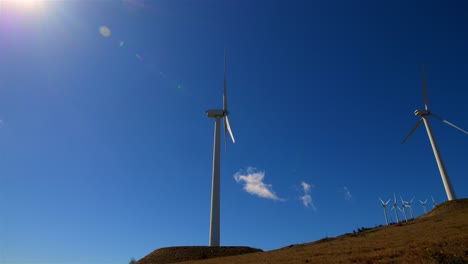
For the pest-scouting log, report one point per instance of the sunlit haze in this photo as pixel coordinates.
(29, 6)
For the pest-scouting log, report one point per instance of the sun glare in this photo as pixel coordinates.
(30, 5)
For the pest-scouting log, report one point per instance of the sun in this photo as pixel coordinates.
(31, 5)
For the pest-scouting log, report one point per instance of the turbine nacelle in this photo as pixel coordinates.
(213, 113)
(421, 113)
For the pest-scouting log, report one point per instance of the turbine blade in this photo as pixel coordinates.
(225, 138)
(225, 105)
(412, 131)
(412, 200)
(388, 201)
(426, 100)
(381, 200)
(447, 122)
(394, 196)
(229, 129)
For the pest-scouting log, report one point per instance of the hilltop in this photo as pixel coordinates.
(440, 236)
(179, 254)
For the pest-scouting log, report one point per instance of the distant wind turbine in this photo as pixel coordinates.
(434, 204)
(424, 114)
(424, 205)
(395, 207)
(403, 210)
(384, 205)
(218, 114)
(409, 205)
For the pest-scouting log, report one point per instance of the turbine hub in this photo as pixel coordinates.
(421, 113)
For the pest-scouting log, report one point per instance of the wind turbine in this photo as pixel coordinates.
(395, 207)
(218, 114)
(424, 114)
(423, 205)
(434, 204)
(404, 212)
(403, 208)
(384, 205)
(408, 204)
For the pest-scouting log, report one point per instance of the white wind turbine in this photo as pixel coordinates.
(404, 212)
(395, 207)
(384, 205)
(218, 114)
(424, 114)
(423, 205)
(434, 204)
(409, 205)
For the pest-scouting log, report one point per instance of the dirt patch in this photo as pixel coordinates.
(179, 254)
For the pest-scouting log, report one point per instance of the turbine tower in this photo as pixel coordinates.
(395, 207)
(424, 114)
(384, 205)
(424, 205)
(218, 114)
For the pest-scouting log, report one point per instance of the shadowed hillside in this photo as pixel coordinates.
(178, 254)
(441, 236)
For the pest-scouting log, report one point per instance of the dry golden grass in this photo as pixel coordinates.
(441, 236)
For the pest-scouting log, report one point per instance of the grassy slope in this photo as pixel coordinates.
(441, 236)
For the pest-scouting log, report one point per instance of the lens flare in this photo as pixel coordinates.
(105, 31)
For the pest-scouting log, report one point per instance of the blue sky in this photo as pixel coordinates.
(106, 151)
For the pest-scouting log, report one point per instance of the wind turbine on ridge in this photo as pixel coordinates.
(424, 205)
(218, 114)
(434, 204)
(395, 207)
(403, 210)
(384, 205)
(424, 114)
(408, 204)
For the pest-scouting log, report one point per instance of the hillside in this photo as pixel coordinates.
(441, 236)
(178, 254)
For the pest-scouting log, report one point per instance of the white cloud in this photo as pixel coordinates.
(253, 183)
(347, 193)
(307, 198)
(306, 187)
